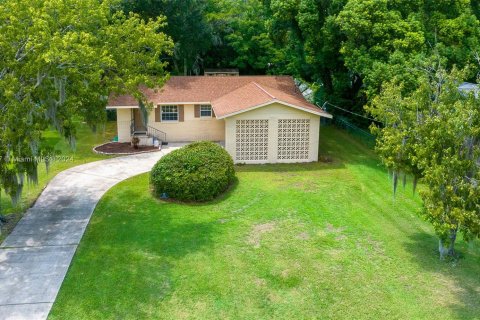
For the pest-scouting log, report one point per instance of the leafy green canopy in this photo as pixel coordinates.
(61, 59)
(386, 39)
(187, 24)
(349, 48)
(434, 134)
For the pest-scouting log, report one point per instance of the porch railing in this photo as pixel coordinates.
(149, 131)
(157, 134)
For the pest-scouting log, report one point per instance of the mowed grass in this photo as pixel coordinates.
(67, 158)
(300, 241)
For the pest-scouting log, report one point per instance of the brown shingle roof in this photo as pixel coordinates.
(229, 94)
(255, 95)
(243, 98)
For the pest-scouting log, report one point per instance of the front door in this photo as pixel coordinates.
(137, 121)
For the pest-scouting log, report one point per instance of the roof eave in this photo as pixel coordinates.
(110, 107)
(319, 113)
(158, 104)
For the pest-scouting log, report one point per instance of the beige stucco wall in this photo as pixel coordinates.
(273, 113)
(194, 129)
(124, 117)
(191, 129)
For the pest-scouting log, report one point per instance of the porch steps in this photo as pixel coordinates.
(148, 139)
(148, 134)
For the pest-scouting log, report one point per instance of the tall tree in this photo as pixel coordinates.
(379, 41)
(61, 59)
(187, 25)
(386, 39)
(323, 40)
(434, 134)
(254, 49)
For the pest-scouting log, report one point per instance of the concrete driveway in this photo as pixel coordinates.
(35, 257)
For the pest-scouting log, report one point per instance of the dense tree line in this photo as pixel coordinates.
(346, 48)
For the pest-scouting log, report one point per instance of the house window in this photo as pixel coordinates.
(169, 113)
(205, 111)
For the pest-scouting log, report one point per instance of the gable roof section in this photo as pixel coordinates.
(243, 98)
(254, 95)
(227, 94)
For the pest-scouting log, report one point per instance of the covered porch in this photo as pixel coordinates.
(130, 123)
(182, 123)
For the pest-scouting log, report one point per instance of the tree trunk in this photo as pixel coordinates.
(441, 249)
(450, 251)
(327, 83)
(185, 66)
(175, 66)
(453, 238)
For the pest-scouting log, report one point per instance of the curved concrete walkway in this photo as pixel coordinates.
(35, 257)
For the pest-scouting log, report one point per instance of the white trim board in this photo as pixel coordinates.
(320, 113)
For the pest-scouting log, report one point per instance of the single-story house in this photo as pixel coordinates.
(259, 119)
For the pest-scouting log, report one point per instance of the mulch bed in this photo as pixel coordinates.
(123, 148)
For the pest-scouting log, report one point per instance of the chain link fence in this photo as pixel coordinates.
(344, 124)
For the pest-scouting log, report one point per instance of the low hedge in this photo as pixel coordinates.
(197, 172)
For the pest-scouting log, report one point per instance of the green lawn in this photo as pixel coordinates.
(322, 240)
(82, 154)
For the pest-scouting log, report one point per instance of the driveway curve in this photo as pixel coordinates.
(35, 257)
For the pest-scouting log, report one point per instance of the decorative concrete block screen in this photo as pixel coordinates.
(293, 139)
(251, 140)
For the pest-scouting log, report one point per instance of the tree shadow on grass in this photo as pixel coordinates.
(163, 227)
(290, 167)
(336, 150)
(142, 250)
(462, 275)
(127, 262)
(346, 148)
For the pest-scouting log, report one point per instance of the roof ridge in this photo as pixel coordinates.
(265, 88)
(261, 88)
(239, 76)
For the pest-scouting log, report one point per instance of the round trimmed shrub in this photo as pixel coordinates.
(197, 172)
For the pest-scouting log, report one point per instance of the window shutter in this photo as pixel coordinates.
(157, 114)
(213, 114)
(197, 111)
(180, 113)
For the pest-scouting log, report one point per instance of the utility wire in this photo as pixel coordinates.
(356, 114)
